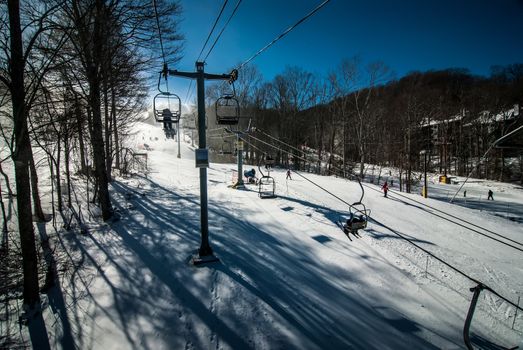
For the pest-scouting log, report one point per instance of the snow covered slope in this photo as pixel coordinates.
(288, 277)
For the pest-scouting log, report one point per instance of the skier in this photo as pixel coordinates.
(385, 189)
(269, 161)
(490, 195)
(250, 175)
(288, 174)
(167, 119)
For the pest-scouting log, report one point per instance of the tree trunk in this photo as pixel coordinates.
(58, 177)
(4, 241)
(115, 128)
(521, 169)
(94, 81)
(53, 209)
(361, 147)
(21, 158)
(67, 153)
(320, 145)
(7, 182)
(331, 146)
(39, 213)
(409, 163)
(107, 131)
(78, 113)
(502, 165)
(102, 181)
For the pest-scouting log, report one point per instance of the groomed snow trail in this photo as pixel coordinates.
(288, 278)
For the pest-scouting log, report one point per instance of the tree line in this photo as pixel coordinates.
(73, 79)
(361, 114)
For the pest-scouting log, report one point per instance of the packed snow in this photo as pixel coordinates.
(287, 276)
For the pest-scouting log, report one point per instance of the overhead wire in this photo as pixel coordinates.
(282, 142)
(428, 206)
(463, 220)
(284, 33)
(212, 29)
(205, 44)
(188, 91)
(161, 44)
(223, 29)
(159, 32)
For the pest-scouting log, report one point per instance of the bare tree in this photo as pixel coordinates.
(25, 33)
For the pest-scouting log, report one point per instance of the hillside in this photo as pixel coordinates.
(288, 277)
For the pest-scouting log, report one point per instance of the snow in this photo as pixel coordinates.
(288, 277)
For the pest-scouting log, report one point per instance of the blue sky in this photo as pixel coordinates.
(406, 35)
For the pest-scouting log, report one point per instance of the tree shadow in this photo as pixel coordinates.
(268, 288)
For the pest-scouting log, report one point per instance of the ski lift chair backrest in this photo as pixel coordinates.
(227, 110)
(166, 114)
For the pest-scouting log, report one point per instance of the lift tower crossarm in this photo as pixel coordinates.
(206, 76)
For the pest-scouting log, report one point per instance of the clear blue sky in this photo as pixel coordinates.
(406, 35)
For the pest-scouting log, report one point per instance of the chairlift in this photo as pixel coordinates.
(167, 108)
(226, 147)
(266, 183)
(269, 162)
(357, 219)
(358, 215)
(227, 110)
(266, 187)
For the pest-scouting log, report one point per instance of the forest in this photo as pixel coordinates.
(73, 79)
(361, 114)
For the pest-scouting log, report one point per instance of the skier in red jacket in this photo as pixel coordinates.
(385, 189)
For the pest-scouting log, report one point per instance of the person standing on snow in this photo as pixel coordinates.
(385, 189)
(288, 175)
(490, 195)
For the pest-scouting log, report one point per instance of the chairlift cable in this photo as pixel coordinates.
(223, 29)
(215, 129)
(159, 31)
(428, 206)
(188, 91)
(212, 30)
(204, 45)
(465, 221)
(282, 142)
(287, 31)
(277, 148)
(452, 267)
(161, 44)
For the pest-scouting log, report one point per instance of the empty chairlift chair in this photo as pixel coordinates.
(226, 147)
(266, 183)
(266, 187)
(227, 110)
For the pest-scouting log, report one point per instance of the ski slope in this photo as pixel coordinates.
(288, 277)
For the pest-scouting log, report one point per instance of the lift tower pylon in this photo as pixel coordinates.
(205, 253)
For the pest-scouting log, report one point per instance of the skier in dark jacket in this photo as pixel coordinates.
(490, 195)
(167, 119)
